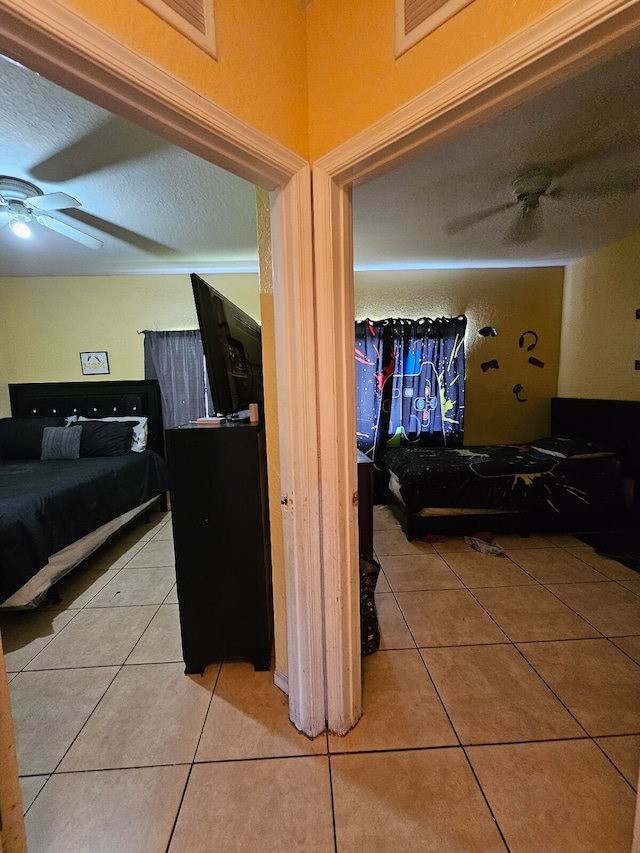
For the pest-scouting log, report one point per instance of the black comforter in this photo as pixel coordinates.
(515, 478)
(45, 506)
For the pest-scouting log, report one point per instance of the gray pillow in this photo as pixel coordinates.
(61, 442)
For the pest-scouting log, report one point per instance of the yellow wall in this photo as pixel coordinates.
(354, 77)
(312, 79)
(46, 322)
(511, 300)
(600, 333)
(260, 74)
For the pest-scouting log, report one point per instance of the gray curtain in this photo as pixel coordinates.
(176, 360)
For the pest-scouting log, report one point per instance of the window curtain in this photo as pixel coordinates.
(176, 360)
(409, 383)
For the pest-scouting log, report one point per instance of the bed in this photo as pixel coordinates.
(56, 511)
(579, 478)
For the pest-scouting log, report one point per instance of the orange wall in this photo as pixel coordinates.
(261, 72)
(354, 78)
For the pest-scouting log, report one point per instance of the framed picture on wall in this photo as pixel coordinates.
(94, 363)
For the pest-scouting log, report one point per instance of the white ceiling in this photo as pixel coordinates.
(160, 209)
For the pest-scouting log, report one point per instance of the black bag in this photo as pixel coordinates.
(369, 629)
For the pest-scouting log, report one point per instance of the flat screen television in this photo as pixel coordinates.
(232, 350)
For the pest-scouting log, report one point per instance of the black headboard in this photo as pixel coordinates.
(93, 400)
(613, 423)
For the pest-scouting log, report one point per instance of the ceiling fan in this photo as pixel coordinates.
(529, 188)
(22, 203)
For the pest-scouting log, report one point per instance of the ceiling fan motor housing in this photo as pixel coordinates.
(530, 185)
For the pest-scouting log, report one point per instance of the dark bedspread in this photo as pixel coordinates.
(515, 478)
(45, 506)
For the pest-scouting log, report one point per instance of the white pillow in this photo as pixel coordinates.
(140, 429)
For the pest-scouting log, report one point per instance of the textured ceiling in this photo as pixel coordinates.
(160, 209)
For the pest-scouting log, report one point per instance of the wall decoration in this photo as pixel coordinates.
(517, 390)
(531, 345)
(487, 331)
(94, 363)
(490, 365)
(535, 361)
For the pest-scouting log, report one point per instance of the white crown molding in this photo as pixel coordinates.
(51, 38)
(568, 39)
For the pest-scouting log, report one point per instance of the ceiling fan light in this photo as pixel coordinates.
(20, 228)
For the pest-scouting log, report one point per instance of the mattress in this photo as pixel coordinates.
(47, 506)
(514, 478)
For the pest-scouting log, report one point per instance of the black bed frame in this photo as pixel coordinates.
(613, 423)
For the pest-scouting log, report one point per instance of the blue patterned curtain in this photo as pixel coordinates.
(409, 383)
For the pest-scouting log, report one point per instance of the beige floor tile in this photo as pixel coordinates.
(152, 529)
(132, 587)
(114, 555)
(266, 805)
(532, 613)
(394, 633)
(555, 565)
(493, 696)
(161, 642)
(556, 797)
(384, 519)
(156, 552)
(610, 568)
(106, 811)
(477, 570)
(30, 787)
(249, 718)
(96, 637)
(563, 540)
(450, 617)
(624, 751)
(419, 571)
(393, 541)
(630, 645)
(455, 543)
(633, 585)
(610, 608)
(401, 709)
(49, 709)
(594, 679)
(164, 533)
(382, 584)
(172, 595)
(26, 633)
(515, 542)
(424, 801)
(77, 589)
(151, 714)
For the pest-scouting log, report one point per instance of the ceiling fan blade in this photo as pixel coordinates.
(461, 223)
(146, 244)
(69, 231)
(526, 228)
(51, 201)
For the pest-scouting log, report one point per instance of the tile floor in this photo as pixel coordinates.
(501, 713)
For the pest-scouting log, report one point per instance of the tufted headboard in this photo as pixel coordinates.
(93, 400)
